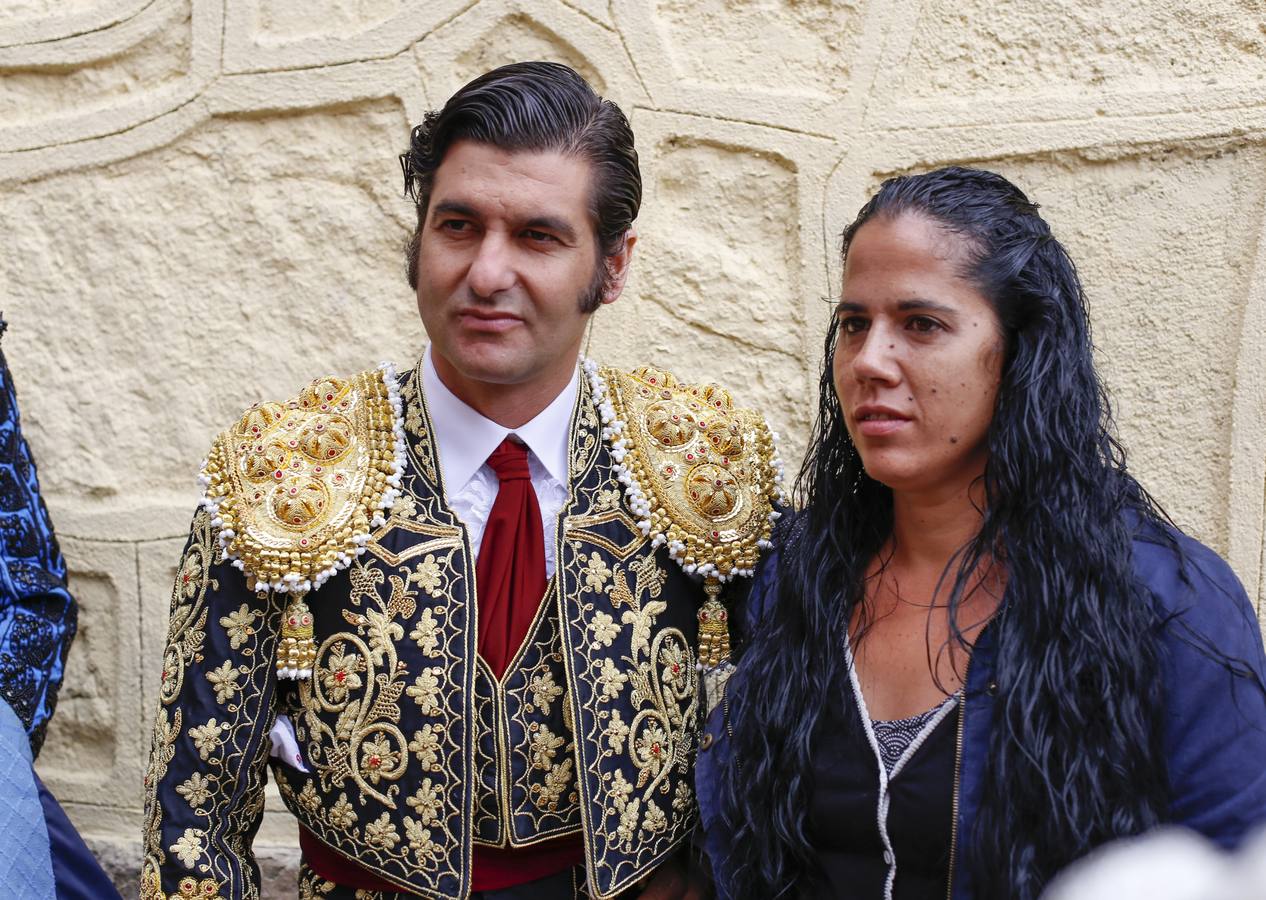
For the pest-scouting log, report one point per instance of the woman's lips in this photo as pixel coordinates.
(881, 427)
(874, 420)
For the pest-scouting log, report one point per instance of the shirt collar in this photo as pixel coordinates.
(465, 439)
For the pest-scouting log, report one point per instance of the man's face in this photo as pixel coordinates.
(507, 256)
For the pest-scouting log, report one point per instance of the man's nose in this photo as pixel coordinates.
(492, 269)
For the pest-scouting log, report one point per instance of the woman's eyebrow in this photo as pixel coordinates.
(921, 305)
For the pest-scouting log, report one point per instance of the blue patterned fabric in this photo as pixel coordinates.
(37, 613)
(26, 870)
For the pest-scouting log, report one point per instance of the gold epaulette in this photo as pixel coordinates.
(702, 474)
(294, 488)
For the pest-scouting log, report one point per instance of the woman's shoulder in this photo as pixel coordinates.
(1184, 575)
(762, 595)
(1201, 601)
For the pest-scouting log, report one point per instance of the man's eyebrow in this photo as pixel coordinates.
(454, 208)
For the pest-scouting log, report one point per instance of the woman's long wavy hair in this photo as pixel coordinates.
(1075, 755)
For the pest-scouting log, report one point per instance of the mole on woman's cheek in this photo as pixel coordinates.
(953, 440)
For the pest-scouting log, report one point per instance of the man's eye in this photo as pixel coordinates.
(539, 236)
(456, 225)
(923, 324)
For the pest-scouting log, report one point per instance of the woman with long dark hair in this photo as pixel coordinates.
(980, 650)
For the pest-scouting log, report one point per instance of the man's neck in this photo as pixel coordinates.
(509, 405)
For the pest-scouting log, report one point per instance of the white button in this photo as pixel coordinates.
(888, 857)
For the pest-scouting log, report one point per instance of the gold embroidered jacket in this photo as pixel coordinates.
(414, 751)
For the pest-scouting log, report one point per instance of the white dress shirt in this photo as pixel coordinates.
(464, 440)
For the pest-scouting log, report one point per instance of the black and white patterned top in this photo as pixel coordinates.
(894, 736)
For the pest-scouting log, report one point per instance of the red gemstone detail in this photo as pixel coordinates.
(340, 676)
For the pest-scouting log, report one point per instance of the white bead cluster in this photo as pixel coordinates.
(292, 581)
(613, 430)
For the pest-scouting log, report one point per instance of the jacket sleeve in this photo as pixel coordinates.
(204, 788)
(37, 613)
(1215, 680)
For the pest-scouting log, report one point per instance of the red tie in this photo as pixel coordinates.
(510, 577)
(510, 574)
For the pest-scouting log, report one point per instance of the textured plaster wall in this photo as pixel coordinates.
(201, 209)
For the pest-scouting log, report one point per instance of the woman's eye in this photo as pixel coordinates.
(852, 324)
(923, 324)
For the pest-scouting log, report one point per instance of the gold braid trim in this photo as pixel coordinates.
(294, 488)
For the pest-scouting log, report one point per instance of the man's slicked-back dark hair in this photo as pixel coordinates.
(535, 107)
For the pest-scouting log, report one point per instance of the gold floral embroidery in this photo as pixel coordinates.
(647, 757)
(308, 798)
(544, 690)
(381, 833)
(420, 841)
(240, 625)
(188, 847)
(612, 679)
(425, 691)
(228, 741)
(595, 573)
(558, 779)
(604, 630)
(428, 575)
(196, 789)
(342, 674)
(224, 680)
(342, 815)
(544, 746)
(426, 633)
(426, 802)
(415, 425)
(426, 747)
(206, 738)
(377, 757)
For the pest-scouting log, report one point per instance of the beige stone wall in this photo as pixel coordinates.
(201, 208)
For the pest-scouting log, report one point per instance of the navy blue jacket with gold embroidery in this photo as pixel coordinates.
(415, 752)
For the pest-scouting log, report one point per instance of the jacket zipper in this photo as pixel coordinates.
(958, 771)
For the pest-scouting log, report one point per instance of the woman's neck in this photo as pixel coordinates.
(928, 528)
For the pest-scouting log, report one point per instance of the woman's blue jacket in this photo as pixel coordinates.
(1214, 719)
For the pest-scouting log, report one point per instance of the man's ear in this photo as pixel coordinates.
(618, 267)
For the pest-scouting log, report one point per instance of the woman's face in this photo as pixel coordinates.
(918, 358)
